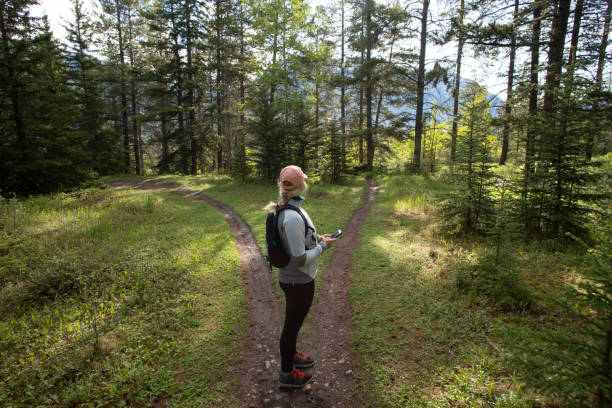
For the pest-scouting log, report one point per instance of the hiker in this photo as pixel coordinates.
(300, 240)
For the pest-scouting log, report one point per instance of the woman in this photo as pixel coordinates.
(304, 246)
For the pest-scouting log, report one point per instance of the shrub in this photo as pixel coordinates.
(572, 363)
(499, 280)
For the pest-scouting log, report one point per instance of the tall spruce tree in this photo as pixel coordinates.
(113, 24)
(41, 151)
(303, 136)
(470, 208)
(159, 82)
(266, 129)
(561, 193)
(85, 73)
(335, 154)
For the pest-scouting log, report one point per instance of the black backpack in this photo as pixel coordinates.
(277, 255)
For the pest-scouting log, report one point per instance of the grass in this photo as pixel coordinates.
(330, 206)
(115, 298)
(418, 340)
(122, 297)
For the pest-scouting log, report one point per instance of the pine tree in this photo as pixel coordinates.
(599, 95)
(244, 66)
(559, 190)
(458, 22)
(266, 129)
(471, 207)
(113, 24)
(572, 363)
(159, 82)
(335, 154)
(418, 121)
(302, 136)
(41, 150)
(85, 75)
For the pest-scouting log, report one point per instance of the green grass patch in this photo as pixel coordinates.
(329, 205)
(422, 339)
(117, 297)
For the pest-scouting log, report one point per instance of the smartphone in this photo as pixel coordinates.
(336, 234)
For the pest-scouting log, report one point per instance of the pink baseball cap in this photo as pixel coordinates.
(292, 177)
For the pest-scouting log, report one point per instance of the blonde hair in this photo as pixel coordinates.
(285, 195)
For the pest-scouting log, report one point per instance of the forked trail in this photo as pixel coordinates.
(327, 342)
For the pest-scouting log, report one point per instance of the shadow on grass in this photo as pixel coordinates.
(416, 342)
(154, 285)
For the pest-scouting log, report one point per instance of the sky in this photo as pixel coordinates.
(485, 71)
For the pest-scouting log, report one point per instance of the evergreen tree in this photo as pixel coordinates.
(113, 25)
(41, 151)
(158, 75)
(244, 66)
(560, 190)
(302, 136)
(573, 362)
(418, 121)
(470, 207)
(601, 44)
(85, 76)
(335, 156)
(460, 34)
(266, 129)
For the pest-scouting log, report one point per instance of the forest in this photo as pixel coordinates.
(243, 88)
(504, 198)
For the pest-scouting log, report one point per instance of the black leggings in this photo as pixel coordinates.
(298, 298)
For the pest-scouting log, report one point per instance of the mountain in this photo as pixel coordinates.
(442, 95)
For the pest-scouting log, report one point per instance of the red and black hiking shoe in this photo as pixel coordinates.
(302, 361)
(297, 379)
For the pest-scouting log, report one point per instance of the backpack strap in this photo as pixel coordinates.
(296, 209)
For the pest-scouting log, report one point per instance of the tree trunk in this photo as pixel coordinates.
(368, 93)
(382, 88)
(342, 86)
(123, 86)
(361, 95)
(598, 78)
(569, 85)
(218, 80)
(555, 54)
(164, 132)
(191, 94)
(418, 126)
(603, 400)
(242, 78)
(274, 51)
(533, 112)
(460, 42)
(179, 75)
(508, 107)
(141, 148)
(135, 137)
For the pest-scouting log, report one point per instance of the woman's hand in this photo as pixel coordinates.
(329, 241)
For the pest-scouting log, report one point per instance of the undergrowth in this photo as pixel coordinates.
(431, 310)
(116, 298)
(329, 205)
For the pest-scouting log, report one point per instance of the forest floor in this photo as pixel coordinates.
(144, 297)
(328, 342)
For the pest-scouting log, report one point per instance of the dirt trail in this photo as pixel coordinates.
(264, 324)
(332, 384)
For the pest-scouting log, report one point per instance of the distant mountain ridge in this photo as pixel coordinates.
(443, 95)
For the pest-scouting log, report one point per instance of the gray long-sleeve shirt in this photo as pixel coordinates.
(304, 251)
